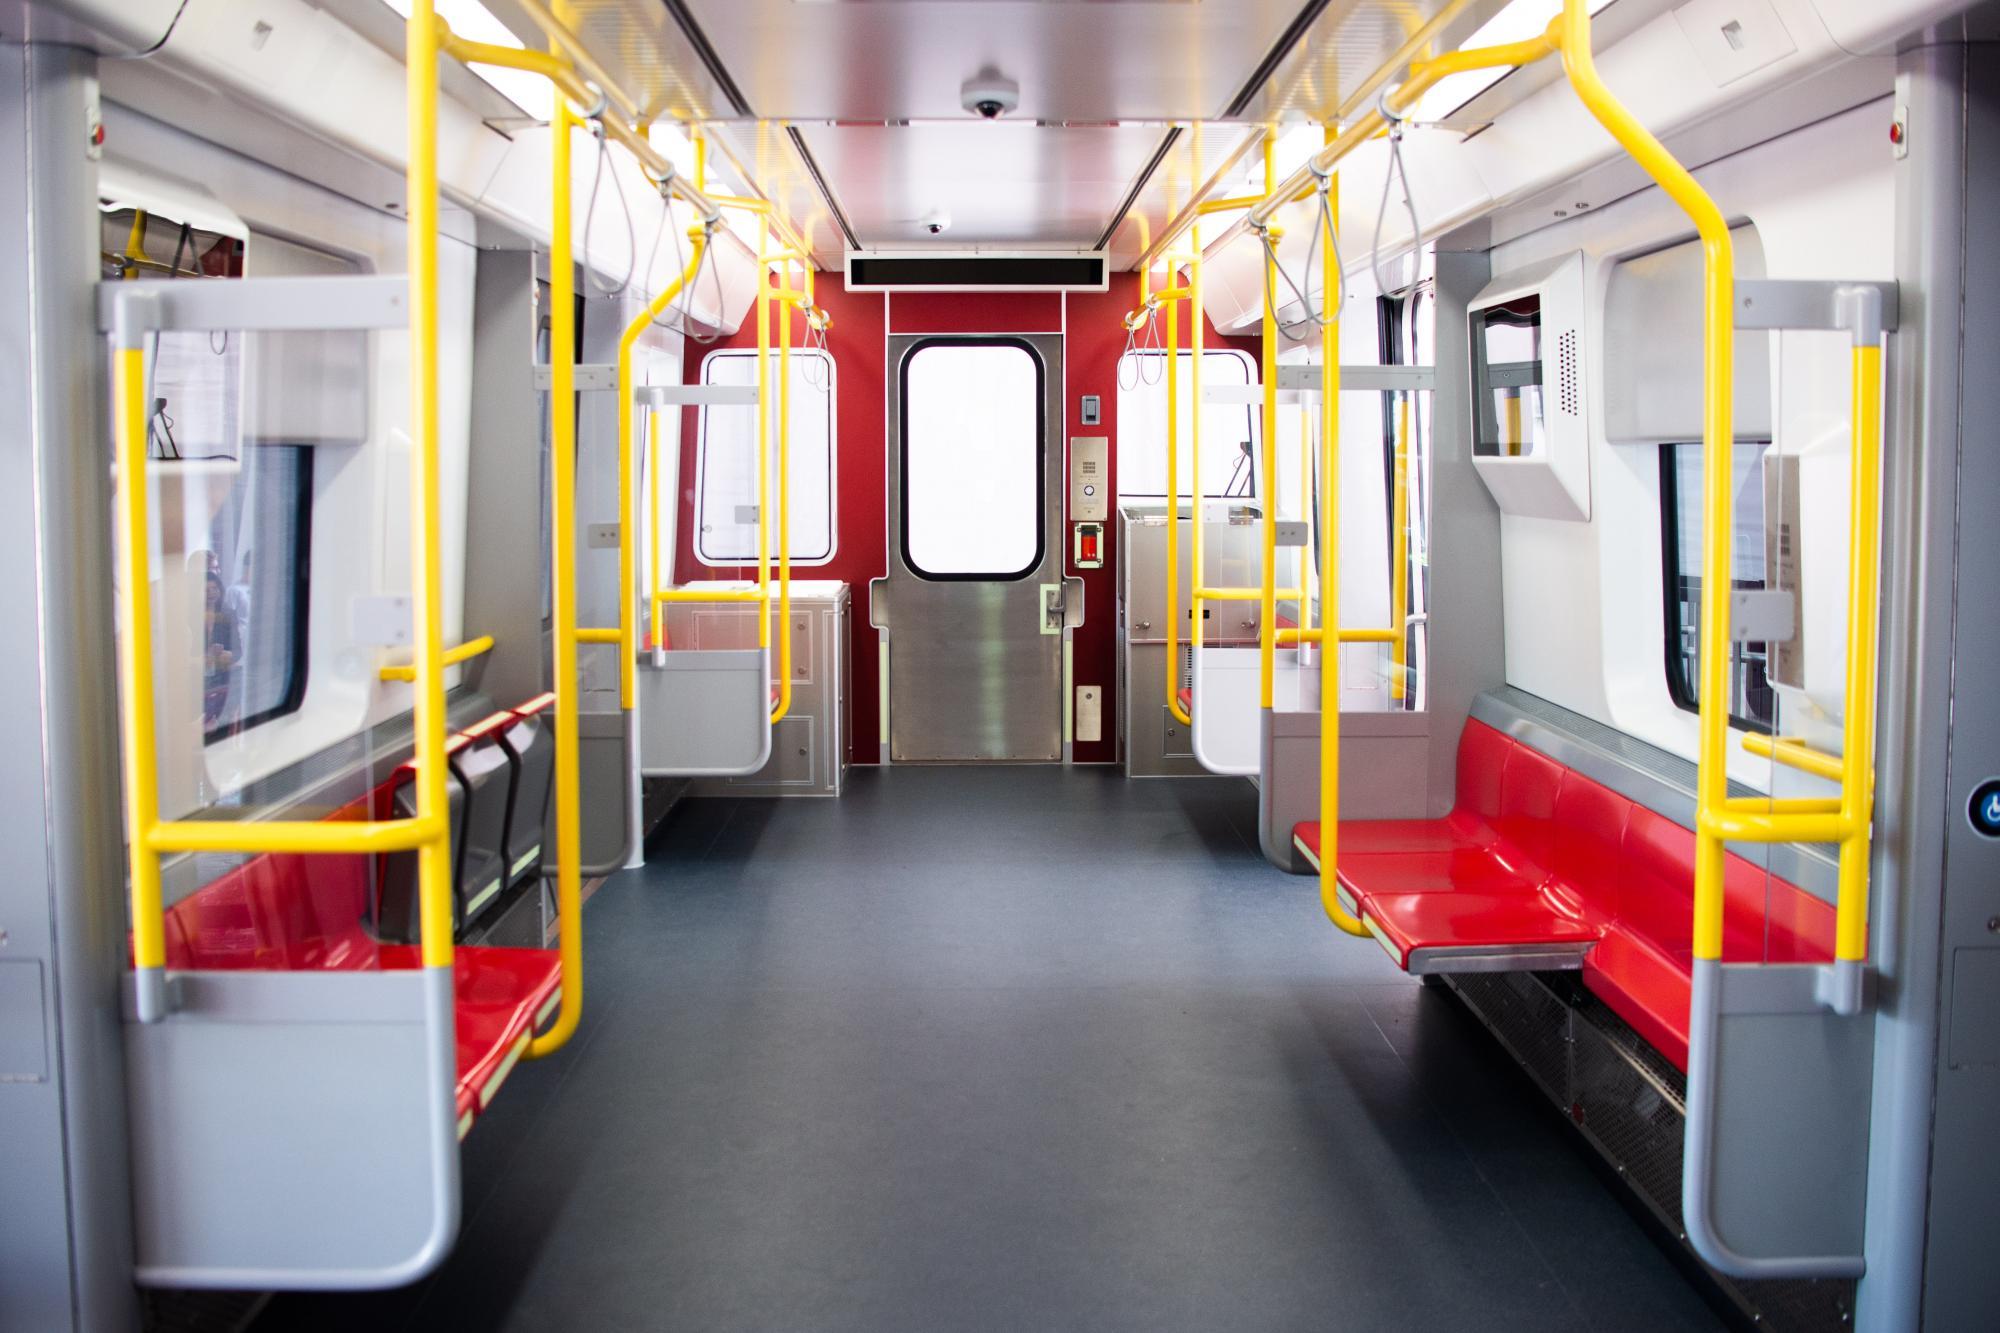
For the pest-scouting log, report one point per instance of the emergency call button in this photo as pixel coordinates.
(1984, 808)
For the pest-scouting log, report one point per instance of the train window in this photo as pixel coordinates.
(231, 479)
(972, 459)
(1230, 432)
(726, 464)
(1752, 702)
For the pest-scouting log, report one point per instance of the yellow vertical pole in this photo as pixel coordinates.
(785, 503)
(763, 432)
(1857, 751)
(1399, 555)
(1267, 631)
(427, 608)
(1197, 331)
(1172, 312)
(1718, 365)
(1329, 578)
(654, 452)
(135, 638)
(562, 518)
(1305, 564)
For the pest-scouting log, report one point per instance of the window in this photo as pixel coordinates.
(1507, 379)
(230, 473)
(726, 463)
(972, 459)
(1230, 432)
(1752, 702)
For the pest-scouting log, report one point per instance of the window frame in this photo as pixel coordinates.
(701, 557)
(1680, 689)
(1041, 458)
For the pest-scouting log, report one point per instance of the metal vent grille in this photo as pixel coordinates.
(1566, 372)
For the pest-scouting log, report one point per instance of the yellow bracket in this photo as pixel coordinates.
(464, 652)
(1793, 752)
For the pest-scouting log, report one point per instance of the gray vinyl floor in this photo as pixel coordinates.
(1014, 1049)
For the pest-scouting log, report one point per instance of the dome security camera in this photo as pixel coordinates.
(990, 96)
(936, 221)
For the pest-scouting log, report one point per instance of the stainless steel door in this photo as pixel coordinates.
(975, 661)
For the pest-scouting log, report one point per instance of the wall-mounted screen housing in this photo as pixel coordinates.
(1530, 430)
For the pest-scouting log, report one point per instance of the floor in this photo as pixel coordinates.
(1020, 1049)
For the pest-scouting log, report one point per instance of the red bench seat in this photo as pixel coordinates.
(1538, 866)
(284, 912)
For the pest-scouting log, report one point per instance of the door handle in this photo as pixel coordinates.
(1052, 608)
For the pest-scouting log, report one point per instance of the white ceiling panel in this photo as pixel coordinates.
(1006, 185)
(1098, 60)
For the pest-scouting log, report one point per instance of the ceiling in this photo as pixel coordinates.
(849, 115)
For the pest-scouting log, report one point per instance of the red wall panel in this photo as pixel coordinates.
(1094, 339)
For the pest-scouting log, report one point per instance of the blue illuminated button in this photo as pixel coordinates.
(1984, 809)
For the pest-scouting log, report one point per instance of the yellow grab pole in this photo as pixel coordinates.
(654, 607)
(784, 704)
(562, 517)
(434, 905)
(1329, 580)
(1197, 323)
(1267, 642)
(1857, 751)
(1303, 576)
(1399, 554)
(763, 435)
(627, 555)
(135, 636)
(1180, 714)
(1718, 352)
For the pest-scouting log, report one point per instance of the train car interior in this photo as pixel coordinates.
(675, 661)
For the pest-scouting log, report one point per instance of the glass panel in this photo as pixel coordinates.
(972, 460)
(1752, 702)
(1507, 372)
(1230, 432)
(727, 463)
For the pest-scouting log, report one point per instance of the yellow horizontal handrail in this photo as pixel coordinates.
(696, 594)
(303, 836)
(1288, 634)
(602, 636)
(464, 652)
(1241, 594)
(1794, 752)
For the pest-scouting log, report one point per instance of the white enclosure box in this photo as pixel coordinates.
(1530, 426)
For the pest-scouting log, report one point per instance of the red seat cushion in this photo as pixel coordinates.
(1536, 854)
(499, 995)
(1471, 920)
(288, 913)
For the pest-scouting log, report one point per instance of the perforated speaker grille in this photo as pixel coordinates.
(1566, 372)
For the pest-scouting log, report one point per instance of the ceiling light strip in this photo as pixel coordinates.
(825, 190)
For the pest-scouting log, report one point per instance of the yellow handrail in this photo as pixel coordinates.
(562, 539)
(1329, 578)
(625, 635)
(464, 652)
(786, 299)
(426, 832)
(1172, 299)
(1267, 637)
(1794, 752)
(1399, 557)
